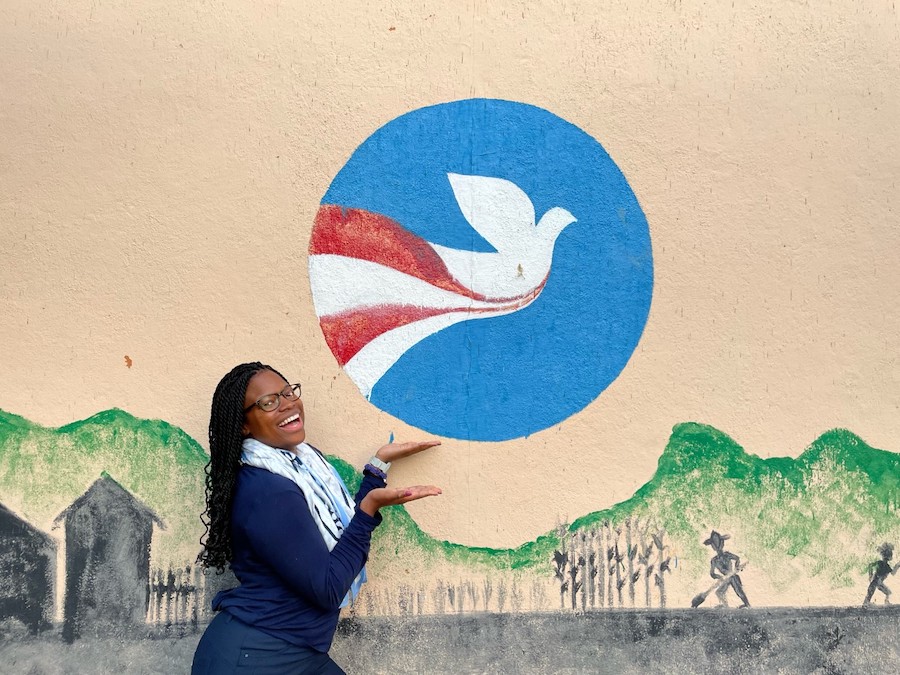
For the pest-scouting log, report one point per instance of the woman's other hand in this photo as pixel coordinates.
(394, 451)
(386, 496)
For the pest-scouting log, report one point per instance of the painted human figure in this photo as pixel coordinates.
(880, 570)
(725, 567)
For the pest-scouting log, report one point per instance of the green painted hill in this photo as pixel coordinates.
(819, 515)
(43, 470)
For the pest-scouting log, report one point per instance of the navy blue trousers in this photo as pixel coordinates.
(231, 646)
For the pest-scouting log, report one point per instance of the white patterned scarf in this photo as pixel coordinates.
(326, 494)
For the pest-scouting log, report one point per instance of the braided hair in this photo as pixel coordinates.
(226, 421)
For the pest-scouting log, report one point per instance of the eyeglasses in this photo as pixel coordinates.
(269, 402)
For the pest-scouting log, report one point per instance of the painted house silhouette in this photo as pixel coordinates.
(27, 571)
(108, 535)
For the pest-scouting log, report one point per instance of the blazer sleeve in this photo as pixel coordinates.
(283, 535)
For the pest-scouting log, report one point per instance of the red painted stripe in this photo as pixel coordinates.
(356, 233)
(348, 332)
(365, 235)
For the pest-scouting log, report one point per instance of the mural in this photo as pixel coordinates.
(605, 251)
(452, 242)
(807, 522)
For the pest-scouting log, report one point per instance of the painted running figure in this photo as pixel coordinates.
(879, 571)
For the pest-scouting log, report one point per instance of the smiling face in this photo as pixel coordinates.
(283, 427)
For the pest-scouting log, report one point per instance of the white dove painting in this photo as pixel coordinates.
(454, 284)
(379, 289)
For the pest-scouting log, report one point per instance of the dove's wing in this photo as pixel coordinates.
(498, 209)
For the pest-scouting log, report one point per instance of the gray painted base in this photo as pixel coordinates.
(842, 640)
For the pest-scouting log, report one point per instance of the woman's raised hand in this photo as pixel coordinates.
(387, 496)
(394, 451)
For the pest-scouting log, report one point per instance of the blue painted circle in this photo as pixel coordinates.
(510, 376)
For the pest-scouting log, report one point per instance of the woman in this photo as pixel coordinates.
(280, 515)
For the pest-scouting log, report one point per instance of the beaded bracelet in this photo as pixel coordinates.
(375, 471)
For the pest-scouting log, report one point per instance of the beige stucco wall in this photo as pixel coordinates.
(161, 165)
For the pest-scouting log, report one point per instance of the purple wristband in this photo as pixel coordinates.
(375, 471)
